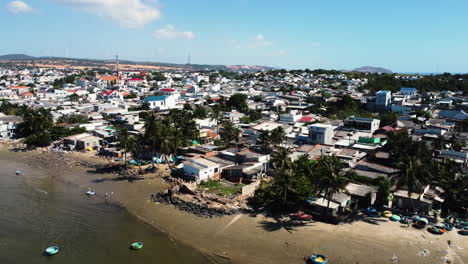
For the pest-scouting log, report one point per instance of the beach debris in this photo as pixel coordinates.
(42, 191)
(423, 253)
(394, 259)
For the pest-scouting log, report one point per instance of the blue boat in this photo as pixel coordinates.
(447, 226)
(18, 172)
(52, 250)
(317, 259)
(137, 245)
(90, 193)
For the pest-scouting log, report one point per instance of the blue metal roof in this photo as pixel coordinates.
(407, 90)
(156, 98)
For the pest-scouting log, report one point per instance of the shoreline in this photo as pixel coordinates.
(244, 238)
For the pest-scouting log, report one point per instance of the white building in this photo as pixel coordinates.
(162, 102)
(321, 134)
(201, 169)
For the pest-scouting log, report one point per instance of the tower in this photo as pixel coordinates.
(188, 68)
(117, 63)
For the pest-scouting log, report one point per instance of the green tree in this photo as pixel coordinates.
(238, 101)
(331, 177)
(278, 136)
(229, 133)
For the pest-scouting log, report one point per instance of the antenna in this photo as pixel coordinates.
(117, 63)
(189, 68)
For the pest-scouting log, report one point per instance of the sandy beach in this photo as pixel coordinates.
(247, 238)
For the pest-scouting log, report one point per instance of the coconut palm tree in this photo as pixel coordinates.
(265, 140)
(278, 136)
(331, 177)
(281, 159)
(216, 115)
(127, 143)
(229, 133)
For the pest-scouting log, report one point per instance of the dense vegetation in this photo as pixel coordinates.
(426, 83)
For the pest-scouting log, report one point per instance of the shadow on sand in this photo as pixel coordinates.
(288, 224)
(119, 178)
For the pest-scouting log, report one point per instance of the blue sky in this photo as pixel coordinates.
(404, 36)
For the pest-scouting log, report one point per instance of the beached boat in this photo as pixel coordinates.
(387, 214)
(137, 245)
(90, 193)
(406, 220)
(301, 216)
(438, 230)
(395, 218)
(415, 218)
(464, 231)
(317, 259)
(52, 250)
(18, 172)
(421, 223)
(447, 226)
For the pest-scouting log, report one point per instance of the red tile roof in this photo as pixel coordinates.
(306, 119)
(169, 90)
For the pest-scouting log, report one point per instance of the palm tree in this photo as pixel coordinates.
(278, 136)
(439, 143)
(331, 177)
(216, 114)
(413, 175)
(265, 140)
(281, 159)
(126, 143)
(229, 133)
(152, 127)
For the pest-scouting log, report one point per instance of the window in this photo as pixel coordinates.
(216, 170)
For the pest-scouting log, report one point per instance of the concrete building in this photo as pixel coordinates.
(162, 102)
(321, 134)
(361, 124)
(201, 169)
(382, 100)
(410, 92)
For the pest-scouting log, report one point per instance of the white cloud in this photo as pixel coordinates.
(16, 7)
(314, 44)
(169, 32)
(128, 13)
(259, 42)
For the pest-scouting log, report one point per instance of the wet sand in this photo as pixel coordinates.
(246, 238)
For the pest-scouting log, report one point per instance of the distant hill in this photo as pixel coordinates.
(16, 57)
(371, 69)
(96, 63)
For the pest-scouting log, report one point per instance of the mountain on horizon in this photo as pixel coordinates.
(24, 57)
(16, 57)
(372, 69)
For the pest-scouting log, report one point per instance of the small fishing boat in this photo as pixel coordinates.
(18, 172)
(371, 210)
(415, 218)
(387, 214)
(447, 226)
(438, 230)
(317, 259)
(406, 220)
(395, 218)
(464, 231)
(421, 223)
(90, 193)
(52, 250)
(137, 245)
(301, 216)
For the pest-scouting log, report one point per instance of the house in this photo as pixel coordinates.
(382, 100)
(135, 82)
(161, 102)
(82, 141)
(8, 125)
(201, 169)
(455, 115)
(410, 92)
(431, 198)
(321, 134)
(361, 124)
(19, 89)
(111, 95)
